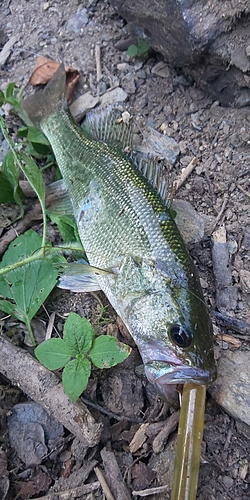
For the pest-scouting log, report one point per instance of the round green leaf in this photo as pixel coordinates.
(107, 352)
(75, 377)
(53, 353)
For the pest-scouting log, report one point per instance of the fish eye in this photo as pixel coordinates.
(180, 336)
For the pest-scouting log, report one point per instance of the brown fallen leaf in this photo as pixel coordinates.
(234, 343)
(45, 69)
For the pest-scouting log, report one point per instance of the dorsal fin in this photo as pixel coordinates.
(111, 125)
(153, 169)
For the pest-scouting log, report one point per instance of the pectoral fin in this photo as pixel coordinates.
(81, 277)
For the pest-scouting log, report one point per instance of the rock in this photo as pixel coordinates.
(161, 69)
(77, 22)
(128, 83)
(83, 105)
(231, 390)
(113, 96)
(30, 431)
(210, 43)
(160, 145)
(191, 225)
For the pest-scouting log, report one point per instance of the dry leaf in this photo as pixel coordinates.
(45, 69)
(234, 343)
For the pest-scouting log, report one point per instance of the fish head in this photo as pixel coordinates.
(174, 336)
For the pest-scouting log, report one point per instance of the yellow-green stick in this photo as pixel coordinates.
(188, 446)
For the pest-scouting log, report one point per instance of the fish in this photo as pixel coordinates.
(136, 254)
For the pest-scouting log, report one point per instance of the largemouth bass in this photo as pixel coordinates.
(128, 232)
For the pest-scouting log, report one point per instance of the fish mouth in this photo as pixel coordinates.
(163, 367)
(162, 373)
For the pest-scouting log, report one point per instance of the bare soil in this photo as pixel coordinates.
(218, 187)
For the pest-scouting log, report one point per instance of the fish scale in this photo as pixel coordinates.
(125, 225)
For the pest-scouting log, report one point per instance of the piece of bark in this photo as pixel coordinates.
(161, 439)
(45, 388)
(226, 293)
(114, 476)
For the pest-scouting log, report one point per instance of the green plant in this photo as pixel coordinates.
(139, 49)
(75, 352)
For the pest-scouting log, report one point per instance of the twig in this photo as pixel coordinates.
(98, 67)
(103, 484)
(71, 493)
(114, 476)
(238, 325)
(243, 190)
(219, 215)
(110, 413)
(50, 326)
(150, 491)
(45, 388)
(184, 175)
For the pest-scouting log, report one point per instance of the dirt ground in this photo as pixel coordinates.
(218, 187)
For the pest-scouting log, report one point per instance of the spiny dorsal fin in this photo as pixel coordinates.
(108, 125)
(154, 171)
(111, 125)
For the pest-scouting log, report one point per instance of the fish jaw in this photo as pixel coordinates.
(164, 368)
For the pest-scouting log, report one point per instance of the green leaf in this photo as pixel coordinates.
(78, 334)
(10, 90)
(67, 226)
(28, 286)
(132, 50)
(34, 176)
(6, 191)
(23, 131)
(11, 172)
(2, 98)
(107, 352)
(39, 141)
(75, 377)
(53, 353)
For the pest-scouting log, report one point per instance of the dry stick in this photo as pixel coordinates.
(184, 175)
(103, 484)
(45, 388)
(77, 492)
(219, 215)
(98, 67)
(150, 491)
(114, 476)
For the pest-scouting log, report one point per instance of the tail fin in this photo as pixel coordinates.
(47, 101)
